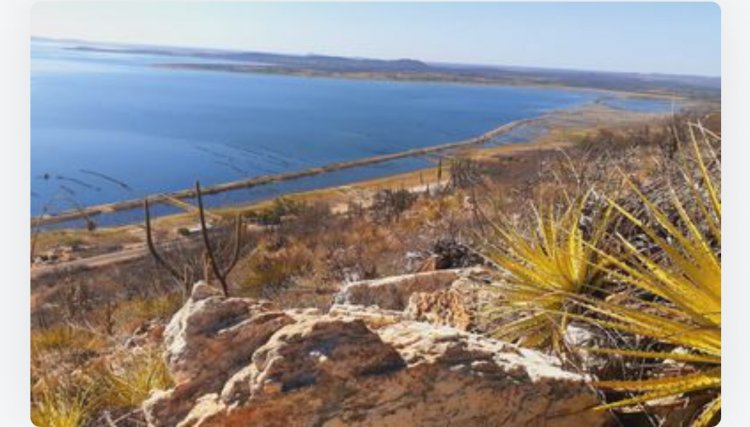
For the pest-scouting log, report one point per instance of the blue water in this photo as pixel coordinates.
(155, 129)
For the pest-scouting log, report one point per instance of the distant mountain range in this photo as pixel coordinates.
(411, 69)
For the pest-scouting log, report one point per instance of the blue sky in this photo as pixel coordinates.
(676, 38)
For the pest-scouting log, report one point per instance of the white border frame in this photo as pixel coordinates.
(15, 183)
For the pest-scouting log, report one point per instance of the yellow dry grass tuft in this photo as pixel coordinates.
(140, 309)
(62, 338)
(122, 383)
(130, 384)
(60, 408)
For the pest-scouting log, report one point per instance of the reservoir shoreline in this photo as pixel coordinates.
(170, 197)
(587, 117)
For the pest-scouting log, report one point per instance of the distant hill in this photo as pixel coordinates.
(411, 69)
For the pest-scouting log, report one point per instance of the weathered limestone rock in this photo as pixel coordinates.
(238, 362)
(207, 340)
(463, 305)
(299, 314)
(333, 372)
(374, 317)
(211, 333)
(447, 308)
(392, 293)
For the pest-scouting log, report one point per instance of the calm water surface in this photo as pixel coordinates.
(107, 127)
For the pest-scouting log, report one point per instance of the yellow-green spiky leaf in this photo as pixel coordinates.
(543, 266)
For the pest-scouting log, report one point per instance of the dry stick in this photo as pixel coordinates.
(152, 248)
(206, 268)
(207, 243)
(108, 419)
(238, 235)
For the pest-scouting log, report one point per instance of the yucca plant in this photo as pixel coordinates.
(679, 298)
(556, 259)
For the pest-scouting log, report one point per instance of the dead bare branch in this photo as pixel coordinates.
(180, 279)
(220, 274)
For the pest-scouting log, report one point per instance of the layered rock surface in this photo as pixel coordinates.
(392, 293)
(241, 362)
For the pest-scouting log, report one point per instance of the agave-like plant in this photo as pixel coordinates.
(681, 305)
(556, 260)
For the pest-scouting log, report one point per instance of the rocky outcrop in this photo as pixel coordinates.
(392, 293)
(241, 362)
(373, 316)
(463, 305)
(207, 340)
(335, 372)
(448, 307)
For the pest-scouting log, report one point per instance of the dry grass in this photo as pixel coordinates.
(131, 313)
(660, 284)
(60, 408)
(571, 247)
(60, 338)
(117, 383)
(128, 385)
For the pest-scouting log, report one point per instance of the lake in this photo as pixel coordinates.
(112, 126)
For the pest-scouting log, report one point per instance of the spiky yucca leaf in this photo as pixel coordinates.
(687, 284)
(555, 260)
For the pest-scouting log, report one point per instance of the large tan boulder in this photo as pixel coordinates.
(206, 341)
(353, 367)
(211, 333)
(333, 372)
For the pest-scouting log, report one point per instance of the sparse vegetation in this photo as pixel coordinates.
(624, 242)
(388, 205)
(128, 385)
(281, 208)
(680, 300)
(98, 389)
(60, 408)
(183, 276)
(661, 284)
(464, 173)
(61, 338)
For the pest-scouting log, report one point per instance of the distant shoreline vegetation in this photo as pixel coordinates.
(706, 88)
(411, 77)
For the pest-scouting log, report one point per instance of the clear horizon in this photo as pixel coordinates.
(649, 38)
